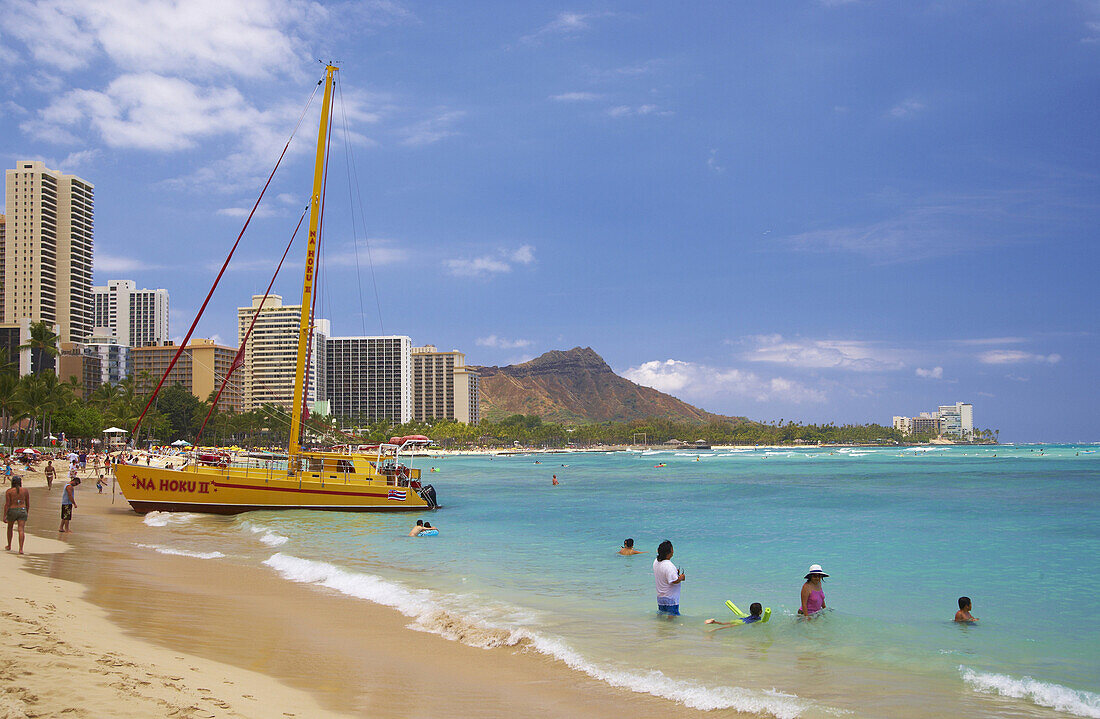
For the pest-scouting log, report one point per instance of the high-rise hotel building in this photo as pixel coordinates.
(47, 249)
(370, 378)
(443, 387)
(136, 318)
(271, 353)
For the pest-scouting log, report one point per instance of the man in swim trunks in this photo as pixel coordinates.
(68, 502)
(17, 503)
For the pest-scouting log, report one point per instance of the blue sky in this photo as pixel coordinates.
(814, 210)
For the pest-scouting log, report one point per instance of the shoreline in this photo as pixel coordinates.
(182, 636)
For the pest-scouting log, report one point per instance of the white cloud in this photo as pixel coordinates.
(853, 355)
(493, 264)
(148, 111)
(242, 212)
(992, 341)
(502, 343)
(712, 162)
(431, 130)
(78, 159)
(906, 108)
(636, 111)
(691, 379)
(375, 251)
(575, 97)
(114, 263)
(248, 38)
(1017, 357)
(934, 373)
(565, 25)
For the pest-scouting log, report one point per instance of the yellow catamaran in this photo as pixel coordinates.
(348, 479)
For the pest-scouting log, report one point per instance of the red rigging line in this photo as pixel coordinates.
(238, 359)
(205, 302)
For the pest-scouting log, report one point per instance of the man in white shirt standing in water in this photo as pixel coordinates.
(668, 579)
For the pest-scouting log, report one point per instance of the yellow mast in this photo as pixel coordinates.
(311, 255)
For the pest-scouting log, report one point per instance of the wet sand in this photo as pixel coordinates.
(108, 628)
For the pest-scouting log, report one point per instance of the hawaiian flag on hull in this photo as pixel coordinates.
(397, 494)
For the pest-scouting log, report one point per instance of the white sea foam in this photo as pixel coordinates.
(267, 535)
(429, 613)
(182, 552)
(163, 519)
(1045, 694)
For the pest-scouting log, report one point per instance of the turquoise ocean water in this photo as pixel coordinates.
(903, 533)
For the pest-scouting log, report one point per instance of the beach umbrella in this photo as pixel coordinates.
(181, 443)
(114, 430)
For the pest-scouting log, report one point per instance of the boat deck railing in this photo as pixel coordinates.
(278, 469)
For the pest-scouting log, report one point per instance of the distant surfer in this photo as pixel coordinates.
(964, 615)
(813, 596)
(628, 548)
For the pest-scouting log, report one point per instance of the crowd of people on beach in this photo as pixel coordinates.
(17, 503)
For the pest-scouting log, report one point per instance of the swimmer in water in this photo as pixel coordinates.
(963, 615)
(755, 610)
(554, 480)
(628, 548)
(418, 528)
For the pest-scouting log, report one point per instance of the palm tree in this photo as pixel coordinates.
(43, 340)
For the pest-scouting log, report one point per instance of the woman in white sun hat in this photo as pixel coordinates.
(813, 596)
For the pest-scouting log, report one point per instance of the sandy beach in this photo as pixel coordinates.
(93, 626)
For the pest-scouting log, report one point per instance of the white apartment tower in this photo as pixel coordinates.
(443, 387)
(135, 318)
(47, 249)
(370, 378)
(271, 354)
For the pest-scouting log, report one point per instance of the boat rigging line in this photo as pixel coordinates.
(232, 250)
(349, 154)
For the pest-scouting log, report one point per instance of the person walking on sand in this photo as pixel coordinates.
(51, 473)
(668, 579)
(68, 503)
(17, 503)
(813, 596)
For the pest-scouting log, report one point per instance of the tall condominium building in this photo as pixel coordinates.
(3, 231)
(370, 378)
(200, 369)
(116, 363)
(136, 318)
(47, 256)
(957, 420)
(443, 387)
(271, 353)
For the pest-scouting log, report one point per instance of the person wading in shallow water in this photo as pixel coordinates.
(668, 579)
(813, 596)
(17, 503)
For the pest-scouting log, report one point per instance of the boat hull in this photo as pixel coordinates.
(233, 490)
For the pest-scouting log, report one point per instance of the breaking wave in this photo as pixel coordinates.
(1045, 694)
(182, 552)
(267, 535)
(163, 519)
(429, 614)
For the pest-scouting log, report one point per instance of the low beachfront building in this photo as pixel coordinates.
(200, 369)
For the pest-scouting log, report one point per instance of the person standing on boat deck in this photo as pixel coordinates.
(813, 596)
(668, 579)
